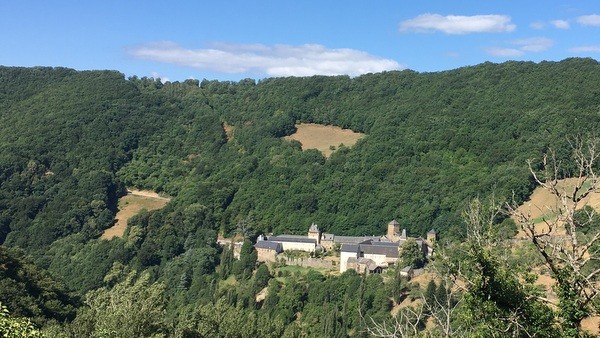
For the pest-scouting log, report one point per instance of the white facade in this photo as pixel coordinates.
(344, 259)
(377, 258)
(310, 247)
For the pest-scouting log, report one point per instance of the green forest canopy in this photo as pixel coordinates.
(71, 141)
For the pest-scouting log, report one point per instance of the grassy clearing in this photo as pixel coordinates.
(229, 131)
(129, 206)
(325, 139)
(285, 273)
(542, 206)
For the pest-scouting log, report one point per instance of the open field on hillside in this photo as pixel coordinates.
(542, 205)
(324, 138)
(129, 206)
(229, 131)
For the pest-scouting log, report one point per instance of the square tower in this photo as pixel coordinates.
(393, 230)
(315, 233)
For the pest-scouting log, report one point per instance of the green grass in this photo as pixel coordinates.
(294, 271)
(548, 216)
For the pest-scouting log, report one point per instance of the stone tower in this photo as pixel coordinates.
(314, 233)
(431, 237)
(393, 230)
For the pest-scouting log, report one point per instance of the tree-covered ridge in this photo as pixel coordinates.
(31, 292)
(434, 140)
(70, 142)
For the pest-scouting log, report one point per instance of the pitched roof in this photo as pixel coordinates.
(349, 248)
(268, 245)
(292, 239)
(327, 237)
(371, 265)
(354, 239)
(394, 222)
(314, 228)
(382, 248)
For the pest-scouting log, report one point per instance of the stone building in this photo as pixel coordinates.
(330, 241)
(360, 253)
(431, 237)
(382, 251)
(348, 251)
(267, 251)
(363, 265)
(407, 272)
(314, 233)
(292, 242)
(382, 254)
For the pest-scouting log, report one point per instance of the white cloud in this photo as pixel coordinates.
(504, 52)
(586, 49)
(522, 46)
(156, 75)
(533, 44)
(589, 20)
(273, 60)
(457, 24)
(560, 24)
(537, 25)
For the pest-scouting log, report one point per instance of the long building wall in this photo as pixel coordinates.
(310, 247)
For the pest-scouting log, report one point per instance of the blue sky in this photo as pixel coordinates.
(231, 40)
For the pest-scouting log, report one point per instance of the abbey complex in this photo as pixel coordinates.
(370, 254)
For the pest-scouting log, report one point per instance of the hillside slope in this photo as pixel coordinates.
(71, 141)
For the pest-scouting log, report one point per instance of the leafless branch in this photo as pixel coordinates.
(567, 256)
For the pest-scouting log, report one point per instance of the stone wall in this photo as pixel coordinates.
(311, 263)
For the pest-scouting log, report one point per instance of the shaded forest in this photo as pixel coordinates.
(72, 141)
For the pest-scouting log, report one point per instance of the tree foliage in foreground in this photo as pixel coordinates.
(11, 327)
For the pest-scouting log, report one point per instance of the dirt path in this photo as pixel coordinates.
(130, 205)
(147, 193)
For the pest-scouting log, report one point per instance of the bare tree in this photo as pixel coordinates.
(405, 324)
(572, 257)
(442, 310)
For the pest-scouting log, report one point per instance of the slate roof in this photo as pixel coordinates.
(349, 248)
(314, 228)
(327, 237)
(371, 265)
(293, 239)
(268, 245)
(354, 239)
(390, 250)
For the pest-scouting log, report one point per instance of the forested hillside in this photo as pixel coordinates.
(71, 142)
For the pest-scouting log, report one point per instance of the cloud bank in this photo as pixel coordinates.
(456, 24)
(589, 20)
(522, 46)
(586, 49)
(275, 60)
